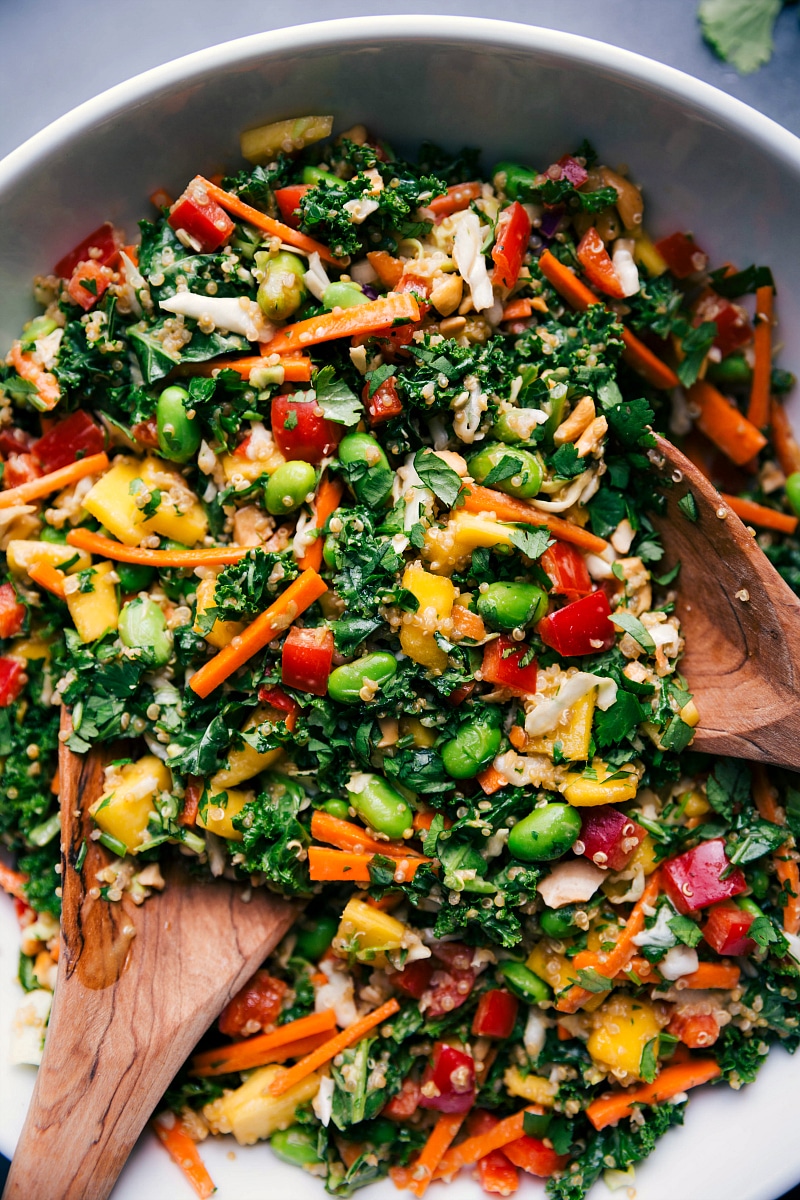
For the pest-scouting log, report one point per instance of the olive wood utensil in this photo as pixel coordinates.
(136, 989)
(740, 619)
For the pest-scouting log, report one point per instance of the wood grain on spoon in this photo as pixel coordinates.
(741, 623)
(137, 987)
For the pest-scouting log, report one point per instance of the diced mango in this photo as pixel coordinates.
(436, 596)
(30, 649)
(573, 738)
(368, 933)
(22, 555)
(180, 515)
(694, 804)
(251, 1114)
(609, 787)
(554, 968)
(221, 633)
(622, 1028)
(94, 612)
(645, 253)
(644, 857)
(238, 466)
(124, 809)
(536, 1088)
(222, 806)
(413, 727)
(690, 714)
(447, 548)
(113, 504)
(245, 761)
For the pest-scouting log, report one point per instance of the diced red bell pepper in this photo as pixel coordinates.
(15, 441)
(460, 694)
(597, 265)
(502, 659)
(572, 170)
(277, 699)
(77, 436)
(307, 660)
(726, 930)
(609, 837)
(456, 199)
(288, 202)
(582, 627)
(695, 1029)
(146, 432)
(201, 218)
(496, 1175)
(12, 613)
(192, 795)
(101, 247)
(405, 1103)
(566, 569)
(733, 325)
(452, 1074)
(511, 242)
(496, 1014)
(531, 1155)
(88, 283)
(415, 978)
(682, 255)
(254, 1007)
(307, 436)
(384, 403)
(20, 468)
(12, 681)
(693, 879)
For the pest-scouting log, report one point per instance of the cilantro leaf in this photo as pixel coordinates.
(741, 283)
(688, 506)
(728, 786)
(508, 465)
(593, 981)
(648, 1065)
(740, 31)
(764, 934)
(335, 398)
(532, 542)
(565, 462)
(695, 345)
(686, 930)
(378, 376)
(444, 482)
(629, 421)
(632, 625)
(761, 837)
(621, 719)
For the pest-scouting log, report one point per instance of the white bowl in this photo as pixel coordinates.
(707, 163)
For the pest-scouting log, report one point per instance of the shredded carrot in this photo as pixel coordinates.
(12, 881)
(243, 1056)
(786, 867)
(298, 596)
(328, 498)
(296, 368)
(468, 624)
(518, 310)
(437, 1145)
(326, 865)
(712, 975)
(348, 322)
(473, 1148)
(505, 508)
(566, 282)
(48, 577)
(424, 820)
(724, 425)
(765, 796)
(183, 1151)
(335, 1045)
(608, 1110)
(252, 216)
(518, 737)
(491, 781)
(456, 199)
(278, 1054)
(387, 903)
(642, 360)
(95, 543)
(31, 371)
(388, 269)
(347, 836)
(786, 445)
(758, 410)
(34, 489)
(760, 514)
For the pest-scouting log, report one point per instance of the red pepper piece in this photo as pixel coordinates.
(693, 879)
(307, 435)
(20, 468)
(531, 1155)
(202, 219)
(384, 403)
(456, 199)
(253, 1008)
(502, 665)
(496, 1014)
(12, 613)
(405, 1103)
(682, 255)
(726, 930)
(307, 660)
(511, 242)
(572, 170)
(101, 247)
(597, 265)
(609, 836)
(453, 1077)
(15, 441)
(460, 694)
(12, 681)
(288, 202)
(277, 698)
(733, 325)
(77, 436)
(191, 800)
(415, 978)
(566, 569)
(582, 627)
(88, 283)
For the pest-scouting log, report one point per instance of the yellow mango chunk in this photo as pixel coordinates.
(610, 787)
(30, 648)
(180, 515)
(572, 738)
(22, 555)
(645, 253)
(553, 967)
(622, 1028)
(93, 612)
(436, 596)
(369, 933)
(113, 504)
(221, 633)
(413, 727)
(124, 809)
(644, 857)
(239, 466)
(535, 1088)
(222, 806)
(245, 761)
(450, 547)
(251, 1114)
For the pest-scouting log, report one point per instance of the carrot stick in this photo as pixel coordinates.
(12, 882)
(328, 499)
(505, 508)
(95, 543)
(758, 410)
(642, 360)
(298, 596)
(566, 282)
(473, 1148)
(724, 424)
(759, 514)
(785, 867)
(325, 865)
(491, 781)
(713, 975)
(437, 1145)
(279, 1054)
(364, 318)
(347, 836)
(48, 577)
(388, 269)
(609, 1109)
(183, 1151)
(292, 237)
(34, 489)
(296, 369)
(242, 1056)
(45, 382)
(786, 446)
(518, 310)
(335, 1045)
(765, 797)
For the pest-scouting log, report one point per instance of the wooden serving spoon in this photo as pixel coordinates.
(136, 989)
(740, 619)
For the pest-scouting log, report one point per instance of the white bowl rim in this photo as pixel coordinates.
(471, 31)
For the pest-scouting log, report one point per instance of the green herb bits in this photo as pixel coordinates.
(289, 487)
(380, 805)
(360, 681)
(511, 470)
(512, 605)
(546, 833)
(179, 434)
(369, 475)
(281, 290)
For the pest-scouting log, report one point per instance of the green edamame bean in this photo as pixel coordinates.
(179, 435)
(546, 833)
(347, 682)
(39, 327)
(296, 1145)
(288, 486)
(759, 882)
(57, 537)
(523, 983)
(314, 939)
(731, 370)
(523, 481)
(559, 922)
(143, 626)
(377, 803)
(337, 808)
(282, 290)
(314, 175)
(512, 605)
(374, 487)
(793, 492)
(474, 746)
(134, 577)
(343, 295)
(515, 180)
(503, 428)
(329, 551)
